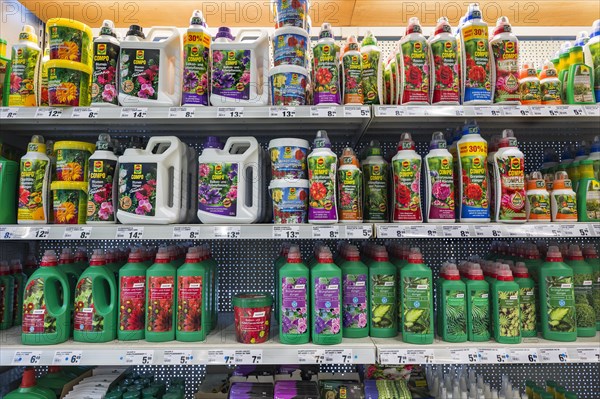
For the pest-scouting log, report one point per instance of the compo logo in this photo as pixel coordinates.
(418, 47)
(376, 169)
(137, 169)
(509, 47)
(98, 166)
(515, 163)
(194, 50)
(405, 164)
(27, 165)
(139, 55)
(477, 162)
(231, 55)
(448, 45)
(101, 49)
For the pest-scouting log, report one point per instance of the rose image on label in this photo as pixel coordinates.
(217, 188)
(35, 316)
(355, 300)
(383, 298)
(231, 73)
(415, 302)
(512, 181)
(139, 73)
(196, 57)
(294, 316)
(31, 185)
(100, 205)
(474, 177)
(290, 49)
(252, 324)
(137, 188)
(133, 301)
(407, 189)
(446, 70)
(441, 172)
(86, 317)
(160, 303)
(289, 205)
(416, 72)
(104, 74)
(321, 176)
(507, 70)
(189, 303)
(327, 82)
(288, 88)
(291, 13)
(477, 81)
(327, 305)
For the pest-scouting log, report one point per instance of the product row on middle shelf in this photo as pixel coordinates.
(172, 292)
(166, 68)
(165, 182)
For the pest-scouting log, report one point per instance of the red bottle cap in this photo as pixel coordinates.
(452, 273)
(49, 259)
(575, 253)
(15, 266)
(380, 254)
(163, 255)
(98, 258)
(520, 270)
(28, 379)
(4, 268)
(504, 274)
(66, 256)
(415, 256)
(135, 256)
(475, 274)
(590, 252)
(352, 254)
(294, 255)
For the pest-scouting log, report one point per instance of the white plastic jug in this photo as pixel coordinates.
(151, 68)
(231, 182)
(150, 182)
(251, 51)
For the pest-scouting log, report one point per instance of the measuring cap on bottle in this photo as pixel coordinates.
(451, 273)
(326, 31)
(16, 266)
(4, 268)
(224, 33)
(575, 252)
(108, 28)
(104, 142)
(98, 258)
(415, 256)
(554, 254)
(163, 255)
(322, 140)
(406, 142)
(504, 274)
(66, 256)
(369, 39)
(414, 26)
(136, 30)
(349, 157)
(294, 255)
(352, 253)
(197, 18)
(520, 270)
(590, 251)
(49, 258)
(502, 26)
(437, 141)
(380, 254)
(443, 26)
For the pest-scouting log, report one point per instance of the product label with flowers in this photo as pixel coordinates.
(352, 68)
(36, 318)
(289, 204)
(445, 68)
(252, 323)
(291, 13)
(592, 200)
(530, 91)
(189, 303)
(370, 77)
(395, 89)
(294, 301)
(196, 62)
(327, 305)
(539, 206)
(217, 188)
(476, 79)
(69, 206)
(415, 88)
(416, 299)
(550, 89)
(68, 87)
(43, 100)
(231, 74)
(383, 300)
(86, 316)
(327, 79)
(290, 49)
(288, 162)
(407, 190)
(139, 73)
(104, 74)
(159, 315)
(133, 301)
(321, 178)
(100, 207)
(506, 55)
(376, 192)
(288, 89)
(31, 189)
(349, 190)
(69, 44)
(566, 205)
(441, 174)
(512, 184)
(473, 163)
(71, 165)
(355, 300)
(137, 188)
(23, 76)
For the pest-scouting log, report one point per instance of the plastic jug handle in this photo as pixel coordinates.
(249, 32)
(251, 141)
(65, 304)
(173, 142)
(155, 30)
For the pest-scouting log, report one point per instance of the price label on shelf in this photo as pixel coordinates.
(323, 112)
(458, 111)
(457, 230)
(389, 110)
(7, 233)
(248, 356)
(134, 112)
(488, 231)
(574, 230)
(390, 231)
(362, 231)
(523, 355)
(26, 358)
(546, 230)
(421, 231)
(494, 355)
(282, 112)
(518, 110)
(227, 232)
(66, 358)
(591, 355)
(357, 111)
(8, 113)
(39, 233)
(406, 356)
(462, 356)
(286, 231)
(592, 110)
(596, 228)
(554, 355)
(338, 356)
(226, 356)
(178, 357)
(311, 356)
(182, 112)
(84, 113)
(575, 110)
(186, 232)
(139, 357)
(325, 232)
(487, 111)
(130, 233)
(46, 112)
(78, 233)
(416, 111)
(230, 112)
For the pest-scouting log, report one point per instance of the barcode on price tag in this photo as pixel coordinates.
(596, 228)
(511, 110)
(230, 112)
(39, 233)
(496, 355)
(488, 231)
(416, 111)
(251, 356)
(592, 110)
(325, 232)
(323, 112)
(338, 356)
(311, 356)
(547, 230)
(524, 355)
(488, 111)
(8, 113)
(363, 231)
(591, 355)
(221, 356)
(392, 110)
(182, 112)
(421, 231)
(286, 231)
(554, 355)
(78, 233)
(26, 358)
(186, 232)
(48, 113)
(406, 356)
(66, 358)
(130, 233)
(456, 231)
(282, 112)
(141, 357)
(134, 112)
(467, 355)
(178, 357)
(571, 230)
(356, 111)
(84, 113)
(227, 232)
(391, 231)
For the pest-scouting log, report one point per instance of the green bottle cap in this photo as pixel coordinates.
(546, 395)
(570, 395)
(550, 383)
(114, 395)
(560, 389)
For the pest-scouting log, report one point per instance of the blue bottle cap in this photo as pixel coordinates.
(213, 142)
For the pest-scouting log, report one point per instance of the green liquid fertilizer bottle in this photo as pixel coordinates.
(527, 301)
(66, 264)
(81, 259)
(453, 306)
(383, 295)
(55, 380)
(355, 288)
(9, 173)
(46, 318)
(193, 314)
(29, 389)
(478, 305)
(557, 298)
(112, 262)
(280, 261)
(96, 303)
(160, 298)
(326, 298)
(7, 292)
(416, 300)
(292, 290)
(20, 279)
(506, 311)
(591, 257)
(584, 298)
(132, 297)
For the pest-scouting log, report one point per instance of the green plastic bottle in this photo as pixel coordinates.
(527, 301)
(112, 262)
(580, 79)
(7, 292)
(66, 264)
(570, 395)
(355, 288)
(506, 310)
(81, 259)
(29, 389)
(20, 279)
(293, 299)
(193, 314)
(279, 261)
(132, 297)
(453, 307)
(591, 257)
(416, 300)
(383, 295)
(30, 265)
(583, 286)
(588, 193)
(9, 173)
(55, 380)
(478, 305)
(46, 317)
(326, 299)
(160, 298)
(95, 302)
(557, 298)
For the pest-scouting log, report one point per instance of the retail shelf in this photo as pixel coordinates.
(185, 232)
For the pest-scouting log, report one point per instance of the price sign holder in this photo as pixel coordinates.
(228, 232)
(67, 358)
(186, 232)
(178, 357)
(226, 356)
(139, 357)
(248, 356)
(286, 232)
(338, 356)
(494, 355)
(8, 113)
(554, 355)
(456, 231)
(357, 111)
(230, 112)
(488, 231)
(77, 233)
(182, 112)
(323, 111)
(130, 233)
(39, 233)
(133, 112)
(464, 355)
(311, 356)
(282, 112)
(524, 355)
(26, 358)
(48, 112)
(326, 232)
(363, 231)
